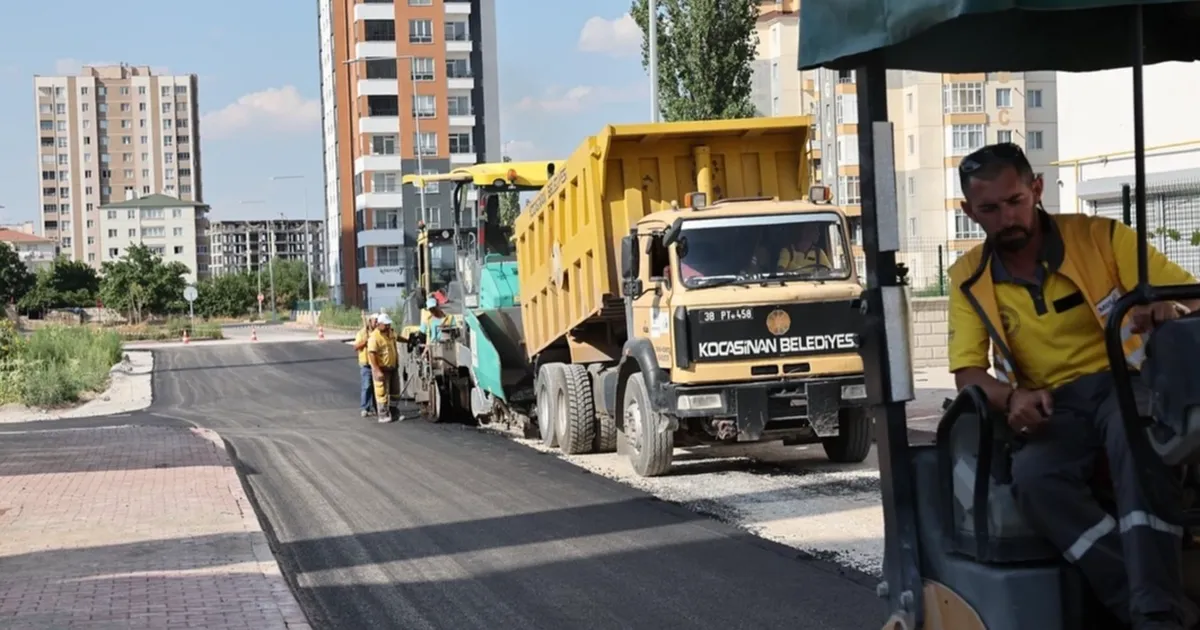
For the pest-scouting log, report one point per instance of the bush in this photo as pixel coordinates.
(57, 364)
(171, 330)
(341, 317)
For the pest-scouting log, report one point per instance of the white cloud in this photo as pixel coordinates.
(620, 37)
(275, 109)
(580, 97)
(73, 66)
(522, 150)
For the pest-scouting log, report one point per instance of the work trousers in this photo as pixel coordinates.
(387, 390)
(1133, 561)
(367, 389)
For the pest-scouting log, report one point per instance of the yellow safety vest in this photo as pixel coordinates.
(1088, 261)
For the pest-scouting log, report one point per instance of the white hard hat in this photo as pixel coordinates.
(384, 320)
(431, 303)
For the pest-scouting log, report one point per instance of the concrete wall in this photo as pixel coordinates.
(930, 331)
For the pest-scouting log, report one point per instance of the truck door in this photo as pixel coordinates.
(651, 310)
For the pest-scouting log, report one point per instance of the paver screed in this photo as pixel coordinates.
(132, 528)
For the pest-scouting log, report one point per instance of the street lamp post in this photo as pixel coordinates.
(308, 258)
(258, 269)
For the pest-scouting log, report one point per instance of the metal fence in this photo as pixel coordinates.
(1172, 217)
(927, 260)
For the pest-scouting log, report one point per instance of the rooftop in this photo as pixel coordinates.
(154, 201)
(13, 236)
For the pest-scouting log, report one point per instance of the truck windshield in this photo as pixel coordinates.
(728, 250)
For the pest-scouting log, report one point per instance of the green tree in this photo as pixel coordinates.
(228, 295)
(510, 205)
(15, 278)
(67, 283)
(705, 52)
(141, 284)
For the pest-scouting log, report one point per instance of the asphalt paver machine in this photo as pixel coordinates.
(958, 555)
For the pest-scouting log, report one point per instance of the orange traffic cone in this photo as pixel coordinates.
(253, 333)
(185, 336)
(320, 332)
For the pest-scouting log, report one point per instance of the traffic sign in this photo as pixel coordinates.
(260, 298)
(190, 294)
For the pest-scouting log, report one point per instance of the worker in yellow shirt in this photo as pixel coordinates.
(366, 386)
(384, 358)
(1037, 294)
(805, 252)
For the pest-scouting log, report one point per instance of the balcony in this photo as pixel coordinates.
(462, 121)
(457, 7)
(380, 237)
(460, 83)
(374, 11)
(459, 46)
(375, 49)
(378, 163)
(378, 87)
(379, 124)
(382, 274)
(463, 159)
(379, 200)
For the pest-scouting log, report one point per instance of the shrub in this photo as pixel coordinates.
(341, 317)
(58, 363)
(171, 330)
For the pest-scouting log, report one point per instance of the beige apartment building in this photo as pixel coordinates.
(110, 134)
(174, 229)
(937, 118)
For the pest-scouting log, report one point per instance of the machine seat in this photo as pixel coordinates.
(1173, 375)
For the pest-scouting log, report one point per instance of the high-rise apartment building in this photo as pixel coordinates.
(937, 120)
(110, 134)
(406, 86)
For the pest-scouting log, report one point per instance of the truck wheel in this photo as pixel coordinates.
(549, 380)
(853, 441)
(606, 434)
(650, 447)
(575, 411)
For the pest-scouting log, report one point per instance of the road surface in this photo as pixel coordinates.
(414, 525)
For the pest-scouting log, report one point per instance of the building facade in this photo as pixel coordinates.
(36, 252)
(247, 246)
(937, 120)
(406, 86)
(172, 228)
(107, 135)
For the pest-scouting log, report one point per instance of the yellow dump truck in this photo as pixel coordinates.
(681, 285)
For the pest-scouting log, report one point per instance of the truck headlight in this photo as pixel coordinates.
(699, 402)
(854, 392)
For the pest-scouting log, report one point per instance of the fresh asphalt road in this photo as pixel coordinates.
(414, 525)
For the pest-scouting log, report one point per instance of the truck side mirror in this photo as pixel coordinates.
(629, 258)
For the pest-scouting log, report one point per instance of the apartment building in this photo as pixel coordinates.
(242, 246)
(106, 135)
(937, 119)
(406, 86)
(36, 252)
(172, 228)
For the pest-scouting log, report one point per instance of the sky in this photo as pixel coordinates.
(564, 74)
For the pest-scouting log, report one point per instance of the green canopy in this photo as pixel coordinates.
(994, 35)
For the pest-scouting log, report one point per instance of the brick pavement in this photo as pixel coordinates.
(132, 528)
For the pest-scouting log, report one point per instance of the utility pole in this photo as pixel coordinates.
(308, 241)
(271, 268)
(652, 37)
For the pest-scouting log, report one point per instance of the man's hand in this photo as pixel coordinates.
(1146, 318)
(1029, 409)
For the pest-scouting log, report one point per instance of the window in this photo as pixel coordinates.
(61, 143)
(126, 124)
(168, 124)
(424, 106)
(176, 213)
(458, 69)
(46, 125)
(426, 143)
(166, 90)
(1004, 135)
(185, 172)
(142, 90)
(422, 69)
(383, 144)
(1003, 97)
(1033, 99)
(153, 232)
(420, 3)
(964, 228)
(381, 69)
(177, 250)
(966, 138)
(184, 156)
(384, 182)
(113, 252)
(144, 140)
(63, 160)
(847, 109)
(457, 32)
(126, 139)
(911, 141)
(62, 125)
(169, 174)
(181, 89)
(459, 106)
(132, 232)
(168, 158)
(101, 91)
(908, 102)
(849, 192)
(112, 233)
(1033, 141)
(131, 214)
(962, 98)
(912, 186)
(382, 105)
(127, 173)
(102, 108)
(124, 90)
(379, 30)
(112, 216)
(420, 31)
(126, 107)
(177, 231)
(461, 143)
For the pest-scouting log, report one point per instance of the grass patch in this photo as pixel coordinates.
(171, 330)
(56, 365)
(341, 317)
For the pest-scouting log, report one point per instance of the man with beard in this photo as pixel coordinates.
(1038, 292)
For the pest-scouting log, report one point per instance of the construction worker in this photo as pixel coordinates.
(805, 251)
(384, 357)
(1038, 292)
(366, 387)
(432, 325)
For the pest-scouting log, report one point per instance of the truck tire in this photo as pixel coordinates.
(549, 379)
(606, 434)
(575, 412)
(853, 441)
(650, 448)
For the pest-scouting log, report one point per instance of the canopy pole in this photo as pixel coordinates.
(1139, 146)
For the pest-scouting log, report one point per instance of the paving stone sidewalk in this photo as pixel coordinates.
(132, 528)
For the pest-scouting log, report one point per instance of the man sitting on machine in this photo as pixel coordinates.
(1038, 292)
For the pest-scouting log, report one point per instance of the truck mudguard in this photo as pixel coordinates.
(638, 356)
